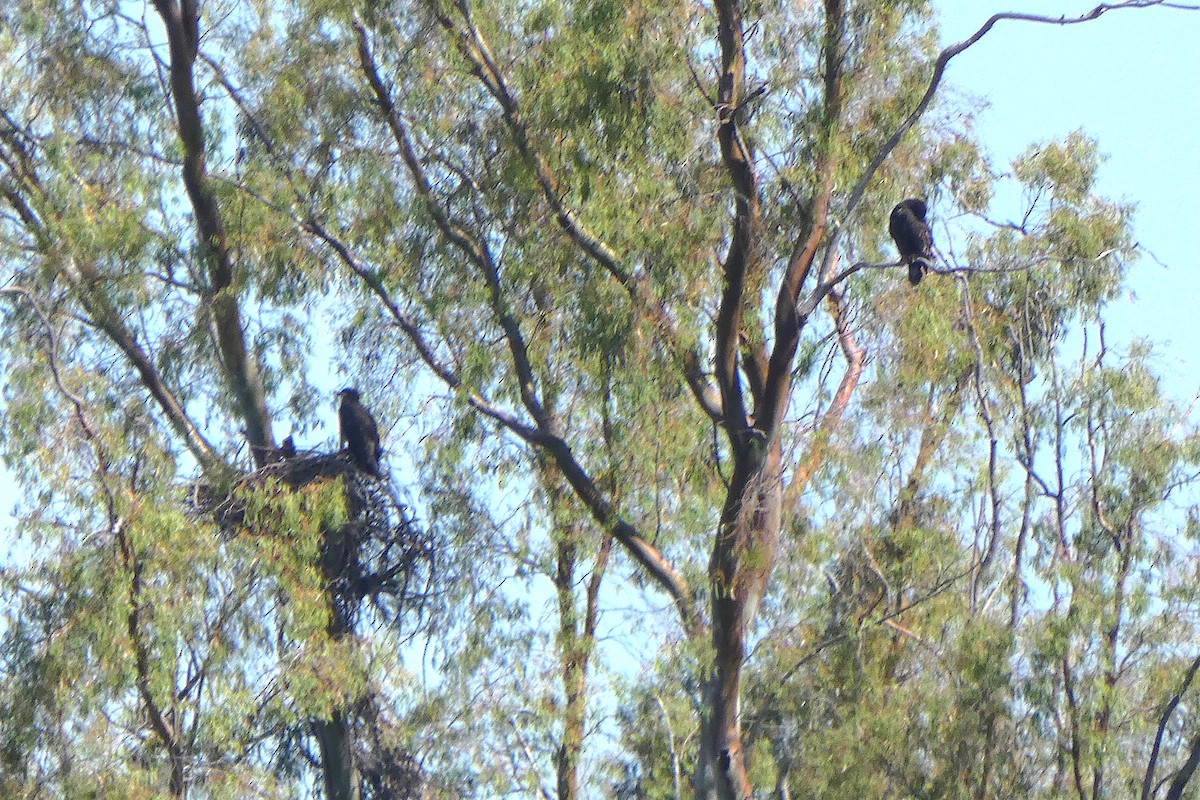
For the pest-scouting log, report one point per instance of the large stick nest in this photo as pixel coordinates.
(381, 554)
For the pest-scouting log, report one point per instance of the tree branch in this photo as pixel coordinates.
(416, 336)
(790, 319)
(159, 723)
(545, 434)
(1163, 720)
(1184, 776)
(106, 318)
(475, 251)
(182, 23)
(475, 48)
(985, 413)
(642, 551)
(1076, 744)
(855, 356)
(939, 69)
(88, 283)
(740, 259)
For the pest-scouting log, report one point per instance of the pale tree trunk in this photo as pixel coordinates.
(573, 659)
(745, 545)
(575, 647)
(742, 557)
(576, 634)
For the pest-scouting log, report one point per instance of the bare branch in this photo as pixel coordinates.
(935, 79)
(659, 568)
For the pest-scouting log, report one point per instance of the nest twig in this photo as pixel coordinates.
(381, 554)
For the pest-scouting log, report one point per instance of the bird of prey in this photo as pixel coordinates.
(359, 432)
(288, 448)
(912, 236)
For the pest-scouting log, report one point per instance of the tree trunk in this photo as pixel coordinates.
(567, 758)
(181, 19)
(576, 635)
(743, 555)
(337, 759)
(334, 737)
(573, 662)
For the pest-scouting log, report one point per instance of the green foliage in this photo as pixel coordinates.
(986, 589)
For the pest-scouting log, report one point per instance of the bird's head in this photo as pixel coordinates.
(916, 206)
(348, 393)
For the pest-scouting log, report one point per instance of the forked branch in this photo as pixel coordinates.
(544, 433)
(741, 255)
(475, 49)
(790, 318)
(1163, 720)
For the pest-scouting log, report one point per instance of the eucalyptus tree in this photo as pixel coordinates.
(621, 269)
(151, 350)
(727, 259)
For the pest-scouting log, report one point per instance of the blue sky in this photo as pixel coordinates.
(1129, 80)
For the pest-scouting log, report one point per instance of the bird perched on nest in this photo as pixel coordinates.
(912, 236)
(359, 432)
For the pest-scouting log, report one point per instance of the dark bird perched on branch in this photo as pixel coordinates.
(912, 236)
(359, 432)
